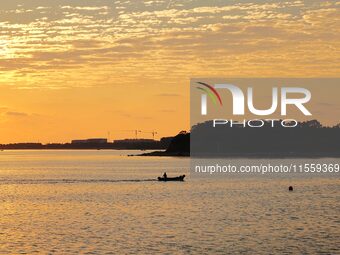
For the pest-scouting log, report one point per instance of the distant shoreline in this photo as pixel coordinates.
(76, 149)
(94, 144)
(187, 154)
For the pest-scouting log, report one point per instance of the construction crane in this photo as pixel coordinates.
(149, 132)
(108, 136)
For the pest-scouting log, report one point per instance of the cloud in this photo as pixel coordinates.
(3, 108)
(86, 8)
(16, 114)
(329, 105)
(126, 42)
(42, 8)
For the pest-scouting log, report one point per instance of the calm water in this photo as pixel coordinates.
(103, 202)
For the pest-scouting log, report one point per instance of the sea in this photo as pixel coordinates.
(106, 202)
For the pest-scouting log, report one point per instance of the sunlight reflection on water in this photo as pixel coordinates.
(98, 202)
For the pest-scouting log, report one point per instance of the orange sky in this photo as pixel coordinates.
(70, 69)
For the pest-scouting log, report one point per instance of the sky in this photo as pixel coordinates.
(79, 69)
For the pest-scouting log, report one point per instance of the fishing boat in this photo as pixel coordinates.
(172, 179)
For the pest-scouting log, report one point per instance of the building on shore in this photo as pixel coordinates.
(90, 141)
(130, 141)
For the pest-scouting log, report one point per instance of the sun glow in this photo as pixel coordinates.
(83, 69)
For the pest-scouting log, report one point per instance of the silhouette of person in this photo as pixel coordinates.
(165, 175)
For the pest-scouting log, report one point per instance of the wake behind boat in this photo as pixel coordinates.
(166, 179)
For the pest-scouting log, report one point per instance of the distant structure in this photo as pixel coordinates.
(90, 141)
(96, 143)
(133, 141)
(150, 132)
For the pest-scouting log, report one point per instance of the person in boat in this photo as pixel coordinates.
(165, 175)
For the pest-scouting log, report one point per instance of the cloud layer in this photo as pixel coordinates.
(60, 44)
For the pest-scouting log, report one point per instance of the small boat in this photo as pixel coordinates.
(172, 179)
